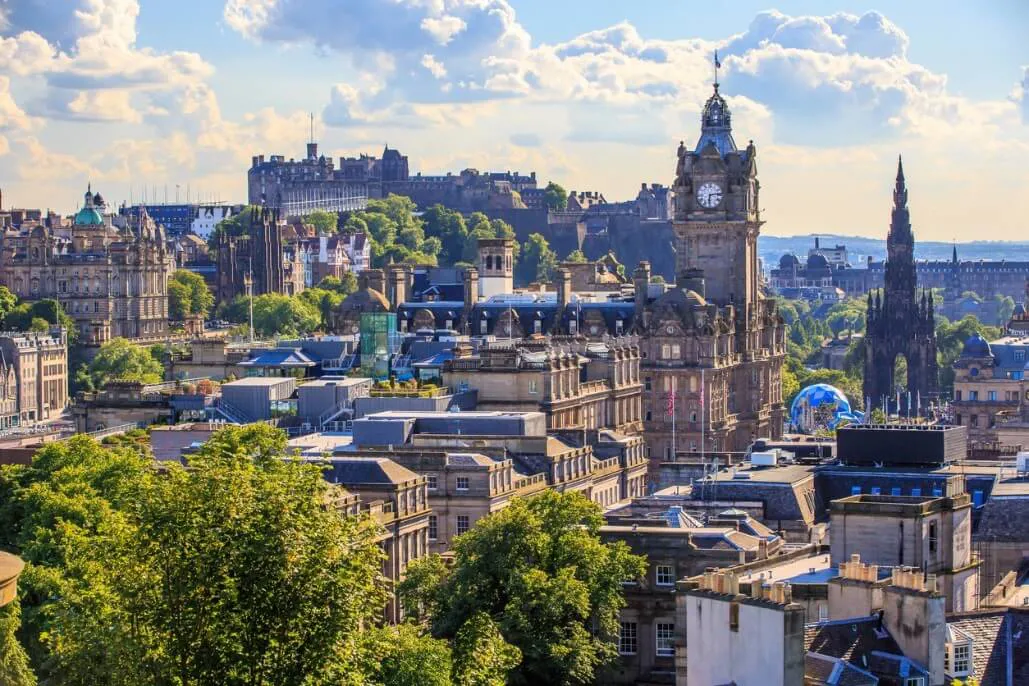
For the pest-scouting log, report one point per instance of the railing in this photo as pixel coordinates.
(407, 393)
(340, 363)
(332, 413)
(112, 431)
(231, 412)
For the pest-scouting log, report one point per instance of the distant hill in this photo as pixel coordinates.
(771, 248)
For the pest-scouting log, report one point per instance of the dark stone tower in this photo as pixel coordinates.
(901, 322)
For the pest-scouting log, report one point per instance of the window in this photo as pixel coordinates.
(537, 326)
(648, 417)
(991, 395)
(916, 492)
(433, 528)
(665, 575)
(664, 633)
(973, 420)
(855, 490)
(958, 659)
(666, 351)
(823, 613)
(462, 483)
(933, 538)
(462, 524)
(734, 616)
(627, 638)
(646, 383)
(895, 490)
(433, 482)
(973, 395)
(914, 681)
(957, 396)
(1019, 356)
(876, 490)
(533, 387)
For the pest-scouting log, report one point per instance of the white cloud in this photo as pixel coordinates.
(443, 29)
(435, 67)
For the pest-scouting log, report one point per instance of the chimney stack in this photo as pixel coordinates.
(564, 288)
(641, 281)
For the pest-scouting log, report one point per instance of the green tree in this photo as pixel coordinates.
(188, 295)
(790, 385)
(8, 301)
(324, 301)
(21, 317)
(575, 256)
(276, 314)
(119, 360)
(323, 222)
(449, 227)
(538, 261)
(481, 655)
(39, 325)
(1005, 307)
(209, 582)
(344, 286)
(236, 225)
(555, 197)
(14, 661)
(540, 570)
(402, 655)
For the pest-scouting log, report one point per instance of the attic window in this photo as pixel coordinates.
(957, 660)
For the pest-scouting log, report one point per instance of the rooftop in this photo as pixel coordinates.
(367, 471)
(344, 381)
(259, 381)
(324, 443)
(786, 474)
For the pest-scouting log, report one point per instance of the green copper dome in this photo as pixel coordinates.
(88, 216)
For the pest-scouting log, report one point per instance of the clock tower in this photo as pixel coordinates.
(712, 345)
(717, 219)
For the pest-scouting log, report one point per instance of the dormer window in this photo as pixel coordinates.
(957, 659)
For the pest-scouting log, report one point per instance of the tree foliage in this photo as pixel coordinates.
(276, 314)
(538, 261)
(540, 571)
(555, 197)
(576, 256)
(24, 316)
(323, 222)
(119, 360)
(236, 571)
(14, 661)
(188, 296)
(450, 228)
(396, 234)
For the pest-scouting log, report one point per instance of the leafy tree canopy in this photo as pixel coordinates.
(539, 569)
(538, 261)
(555, 197)
(576, 256)
(188, 295)
(323, 222)
(119, 360)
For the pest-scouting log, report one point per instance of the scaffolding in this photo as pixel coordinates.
(300, 202)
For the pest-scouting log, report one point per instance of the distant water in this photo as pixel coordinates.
(771, 248)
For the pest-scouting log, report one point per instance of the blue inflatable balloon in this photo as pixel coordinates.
(821, 405)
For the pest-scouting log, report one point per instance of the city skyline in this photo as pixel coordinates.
(596, 96)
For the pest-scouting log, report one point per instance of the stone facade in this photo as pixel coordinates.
(113, 282)
(578, 386)
(259, 255)
(713, 346)
(899, 323)
(37, 363)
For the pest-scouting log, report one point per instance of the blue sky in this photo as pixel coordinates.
(595, 95)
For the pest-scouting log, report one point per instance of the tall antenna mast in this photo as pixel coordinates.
(312, 128)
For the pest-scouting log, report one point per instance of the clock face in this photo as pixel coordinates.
(709, 195)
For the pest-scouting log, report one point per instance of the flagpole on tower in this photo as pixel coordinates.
(718, 65)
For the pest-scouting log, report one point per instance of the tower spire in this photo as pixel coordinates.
(718, 65)
(900, 191)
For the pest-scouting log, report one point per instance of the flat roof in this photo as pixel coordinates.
(795, 569)
(259, 381)
(471, 414)
(337, 381)
(789, 474)
(321, 443)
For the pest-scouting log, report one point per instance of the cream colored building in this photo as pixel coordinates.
(112, 281)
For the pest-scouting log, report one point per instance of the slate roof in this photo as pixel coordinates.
(830, 671)
(1004, 519)
(852, 640)
(367, 470)
(988, 631)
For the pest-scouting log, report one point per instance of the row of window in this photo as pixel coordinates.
(463, 524)
(992, 396)
(664, 639)
(433, 482)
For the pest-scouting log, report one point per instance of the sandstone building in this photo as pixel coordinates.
(112, 281)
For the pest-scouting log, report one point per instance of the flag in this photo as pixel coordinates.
(671, 405)
(718, 64)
